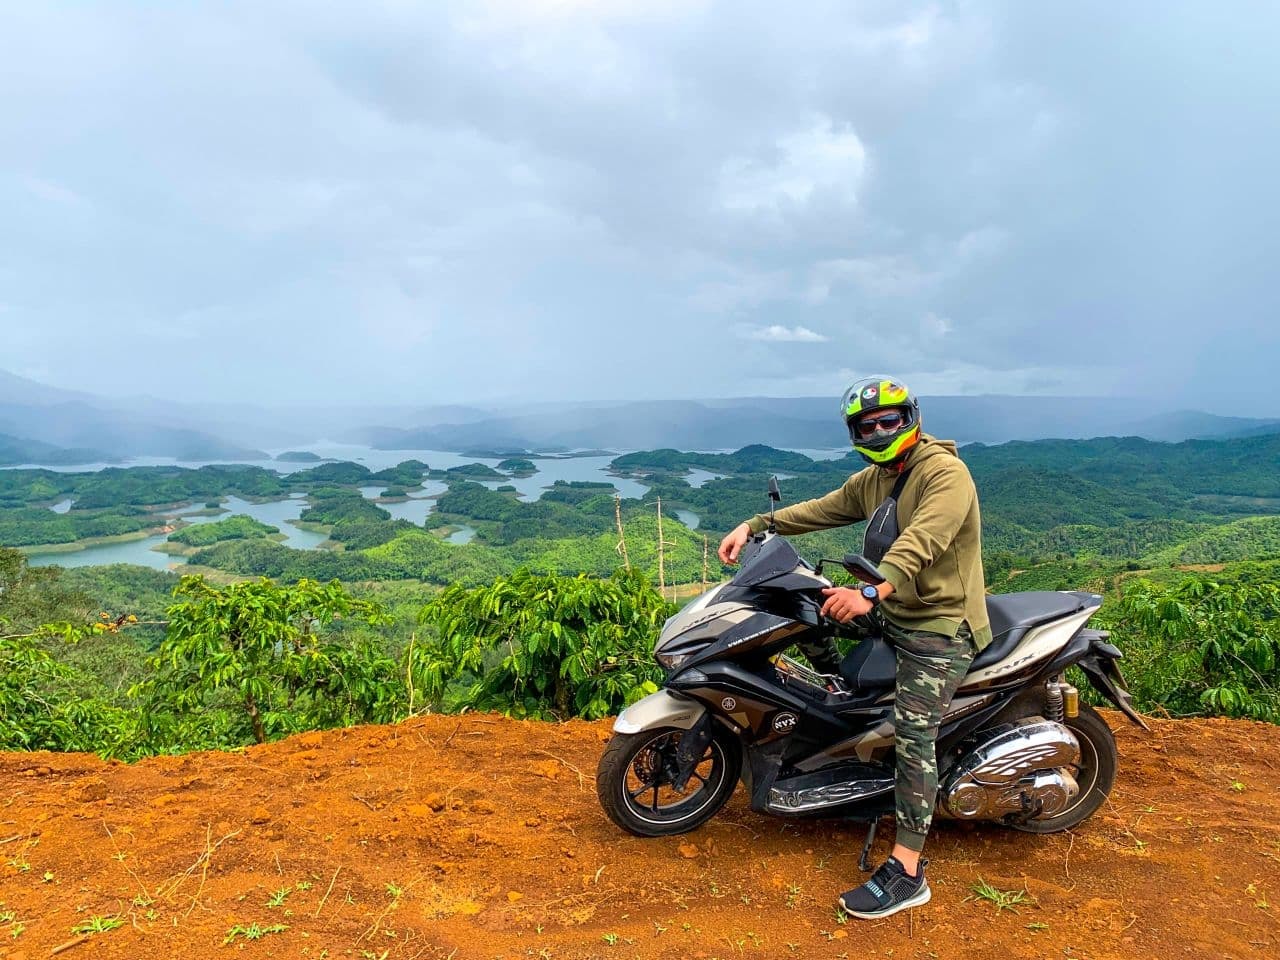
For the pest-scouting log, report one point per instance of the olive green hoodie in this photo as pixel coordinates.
(935, 565)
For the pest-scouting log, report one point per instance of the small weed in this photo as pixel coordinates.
(143, 900)
(1037, 926)
(302, 885)
(8, 916)
(119, 856)
(794, 893)
(16, 930)
(658, 929)
(841, 916)
(1003, 899)
(252, 932)
(97, 925)
(1237, 786)
(394, 892)
(609, 938)
(278, 898)
(47, 877)
(20, 864)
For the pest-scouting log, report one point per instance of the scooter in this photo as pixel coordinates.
(1016, 746)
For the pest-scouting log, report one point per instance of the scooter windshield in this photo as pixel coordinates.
(773, 558)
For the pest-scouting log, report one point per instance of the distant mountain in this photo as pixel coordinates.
(1192, 424)
(15, 450)
(804, 422)
(60, 419)
(20, 390)
(95, 434)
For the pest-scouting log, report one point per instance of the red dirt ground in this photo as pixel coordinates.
(480, 837)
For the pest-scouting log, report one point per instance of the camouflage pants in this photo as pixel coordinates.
(930, 667)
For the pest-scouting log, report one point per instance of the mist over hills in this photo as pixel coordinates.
(49, 425)
(806, 422)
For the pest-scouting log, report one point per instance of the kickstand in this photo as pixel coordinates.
(864, 862)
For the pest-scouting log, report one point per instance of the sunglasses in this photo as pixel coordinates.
(867, 426)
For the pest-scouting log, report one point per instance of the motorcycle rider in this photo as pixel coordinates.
(933, 600)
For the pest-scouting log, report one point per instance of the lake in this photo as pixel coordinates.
(415, 509)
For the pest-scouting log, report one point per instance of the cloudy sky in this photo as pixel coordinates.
(566, 199)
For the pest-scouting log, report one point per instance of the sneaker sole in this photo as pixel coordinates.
(918, 899)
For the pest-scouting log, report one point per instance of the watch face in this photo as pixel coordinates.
(871, 593)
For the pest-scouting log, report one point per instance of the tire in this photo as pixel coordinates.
(1095, 773)
(633, 769)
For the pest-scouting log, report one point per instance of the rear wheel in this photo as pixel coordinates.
(1095, 773)
(634, 782)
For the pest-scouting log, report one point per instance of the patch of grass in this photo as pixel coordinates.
(1002, 899)
(98, 925)
(278, 898)
(253, 931)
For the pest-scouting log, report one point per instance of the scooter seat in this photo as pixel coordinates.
(873, 664)
(1013, 614)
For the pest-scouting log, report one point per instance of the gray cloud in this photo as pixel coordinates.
(594, 200)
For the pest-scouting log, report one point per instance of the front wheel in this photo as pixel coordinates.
(633, 782)
(1095, 773)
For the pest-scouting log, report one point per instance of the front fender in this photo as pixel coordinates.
(661, 709)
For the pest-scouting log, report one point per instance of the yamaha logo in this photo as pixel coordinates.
(785, 722)
(728, 703)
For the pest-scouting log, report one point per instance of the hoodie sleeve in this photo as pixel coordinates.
(841, 506)
(945, 500)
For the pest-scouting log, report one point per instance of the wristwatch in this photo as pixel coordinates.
(872, 594)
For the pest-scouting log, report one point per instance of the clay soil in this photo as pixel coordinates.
(480, 837)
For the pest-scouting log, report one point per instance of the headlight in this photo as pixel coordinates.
(672, 661)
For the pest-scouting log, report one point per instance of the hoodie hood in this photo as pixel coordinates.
(927, 446)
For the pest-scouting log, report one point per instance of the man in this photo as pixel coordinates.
(933, 599)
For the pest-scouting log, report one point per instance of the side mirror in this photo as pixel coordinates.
(774, 493)
(859, 566)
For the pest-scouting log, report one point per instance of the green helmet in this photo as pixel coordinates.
(884, 445)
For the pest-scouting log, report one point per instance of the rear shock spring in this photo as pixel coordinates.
(1055, 708)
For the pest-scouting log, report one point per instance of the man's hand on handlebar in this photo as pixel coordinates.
(733, 543)
(844, 603)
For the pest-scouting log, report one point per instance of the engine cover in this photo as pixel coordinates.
(1028, 759)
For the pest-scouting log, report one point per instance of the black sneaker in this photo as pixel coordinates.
(888, 891)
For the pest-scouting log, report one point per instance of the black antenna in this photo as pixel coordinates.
(774, 496)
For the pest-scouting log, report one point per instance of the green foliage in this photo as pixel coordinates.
(41, 706)
(271, 649)
(337, 505)
(406, 473)
(1253, 538)
(1202, 647)
(238, 527)
(535, 645)
(518, 466)
(33, 526)
(343, 472)
(754, 459)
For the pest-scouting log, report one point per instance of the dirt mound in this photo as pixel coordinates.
(477, 836)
